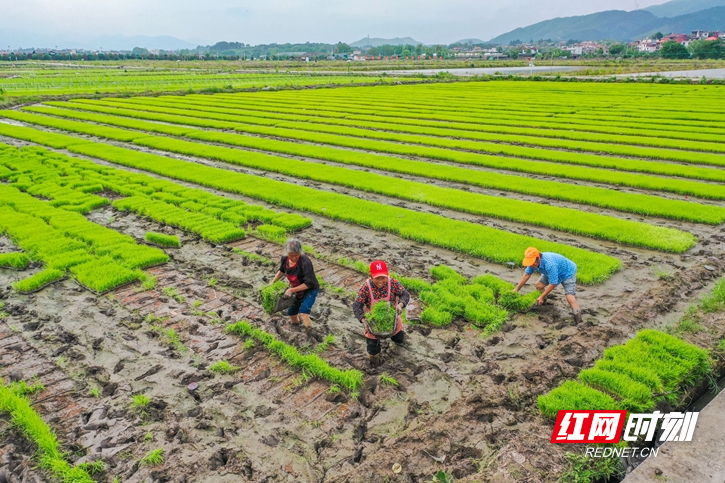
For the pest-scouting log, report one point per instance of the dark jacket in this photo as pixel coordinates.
(303, 270)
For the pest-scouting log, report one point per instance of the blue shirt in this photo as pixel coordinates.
(556, 267)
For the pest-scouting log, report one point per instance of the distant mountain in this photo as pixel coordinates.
(616, 25)
(25, 39)
(683, 7)
(377, 42)
(475, 41)
(612, 24)
(710, 19)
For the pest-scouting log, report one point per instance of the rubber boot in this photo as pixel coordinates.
(375, 360)
(577, 316)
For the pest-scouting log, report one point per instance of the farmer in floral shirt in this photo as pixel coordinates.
(380, 286)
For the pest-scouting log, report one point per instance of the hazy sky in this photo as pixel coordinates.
(208, 21)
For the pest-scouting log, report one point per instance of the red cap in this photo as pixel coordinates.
(378, 268)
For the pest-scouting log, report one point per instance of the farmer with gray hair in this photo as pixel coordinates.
(297, 267)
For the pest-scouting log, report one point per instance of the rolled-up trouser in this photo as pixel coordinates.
(569, 284)
(304, 305)
(374, 344)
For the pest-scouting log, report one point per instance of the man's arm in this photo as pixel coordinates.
(525, 278)
(546, 292)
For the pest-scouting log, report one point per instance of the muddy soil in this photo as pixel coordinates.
(464, 404)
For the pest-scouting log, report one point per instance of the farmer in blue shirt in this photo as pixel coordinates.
(555, 269)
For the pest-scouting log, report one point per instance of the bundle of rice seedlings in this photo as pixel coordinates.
(381, 317)
(162, 240)
(271, 293)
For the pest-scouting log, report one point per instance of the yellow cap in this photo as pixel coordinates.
(530, 256)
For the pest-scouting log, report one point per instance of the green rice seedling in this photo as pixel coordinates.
(3, 314)
(169, 337)
(270, 294)
(418, 226)
(518, 302)
(415, 285)
(148, 437)
(32, 425)
(662, 274)
(212, 281)
(253, 257)
(38, 281)
(443, 272)
(173, 292)
(438, 318)
(484, 315)
(572, 395)
(387, 379)
(18, 261)
(95, 392)
(689, 323)
(585, 469)
(639, 373)
(634, 396)
(331, 288)
(381, 317)
(480, 293)
(140, 401)
(325, 344)
(162, 240)
(715, 300)
(721, 345)
(248, 344)
(197, 304)
(148, 282)
(272, 233)
(498, 286)
(94, 467)
(223, 367)
(311, 364)
(153, 458)
(334, 388)
(103, 274)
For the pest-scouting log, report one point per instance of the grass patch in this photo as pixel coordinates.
(171, 241)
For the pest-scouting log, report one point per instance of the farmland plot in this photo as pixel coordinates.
(449, 183)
